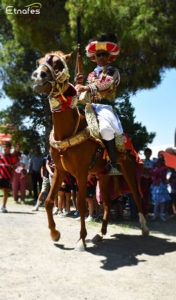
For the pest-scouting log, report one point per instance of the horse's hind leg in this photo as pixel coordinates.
(104, 188)
(49, 203)
(129, 172)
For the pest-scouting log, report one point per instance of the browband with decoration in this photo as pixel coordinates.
(63, 75)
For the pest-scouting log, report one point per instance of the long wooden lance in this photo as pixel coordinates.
(78, 59)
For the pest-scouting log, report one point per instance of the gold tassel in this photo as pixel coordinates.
(60, 91)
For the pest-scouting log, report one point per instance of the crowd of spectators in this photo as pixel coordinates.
(158, 186)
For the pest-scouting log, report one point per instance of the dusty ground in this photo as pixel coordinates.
(124, 266)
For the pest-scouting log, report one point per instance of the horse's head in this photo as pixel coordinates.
(51, 69)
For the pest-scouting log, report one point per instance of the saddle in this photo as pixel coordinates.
(92, 131)
(123, 143)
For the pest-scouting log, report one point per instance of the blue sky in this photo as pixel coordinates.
(154, 108)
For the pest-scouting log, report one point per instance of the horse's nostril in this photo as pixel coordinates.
(43, 74)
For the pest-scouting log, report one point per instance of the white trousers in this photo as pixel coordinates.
(109, 122)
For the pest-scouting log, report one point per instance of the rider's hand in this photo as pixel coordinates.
(79, 79)
(82, 88)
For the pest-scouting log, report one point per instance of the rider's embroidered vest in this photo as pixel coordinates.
(103, 85)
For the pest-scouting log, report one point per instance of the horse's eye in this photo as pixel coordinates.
(59, 65)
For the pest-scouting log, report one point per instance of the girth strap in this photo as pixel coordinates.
(96, 156)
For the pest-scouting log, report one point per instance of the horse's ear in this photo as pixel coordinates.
(68, 56)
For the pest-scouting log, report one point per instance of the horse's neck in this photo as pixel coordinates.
(64, 123)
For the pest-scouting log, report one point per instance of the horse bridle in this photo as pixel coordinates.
(59, 78)
(63, 75)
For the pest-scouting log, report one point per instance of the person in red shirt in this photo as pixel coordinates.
(7, 163)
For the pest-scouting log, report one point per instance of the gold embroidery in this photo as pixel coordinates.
(54, 103)
(101, 46)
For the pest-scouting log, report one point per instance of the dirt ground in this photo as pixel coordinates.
(124, 266)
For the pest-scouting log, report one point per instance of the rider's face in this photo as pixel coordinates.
(102, 57)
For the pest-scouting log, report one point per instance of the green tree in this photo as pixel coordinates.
(145, 29)
(28, 112)
(42, 31)
(135, 130)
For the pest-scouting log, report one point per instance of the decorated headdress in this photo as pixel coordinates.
(103, 44)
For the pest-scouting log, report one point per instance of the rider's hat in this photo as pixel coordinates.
(104, 44)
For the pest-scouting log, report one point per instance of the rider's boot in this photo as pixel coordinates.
(112, 152)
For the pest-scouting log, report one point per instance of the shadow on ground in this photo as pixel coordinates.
(122, 250)
(62, 247)
(20, 212)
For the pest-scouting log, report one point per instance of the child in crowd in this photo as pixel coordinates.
(63, 206)
(65, 195)
(146, 180)
(45, 185)
(20, 176)
(90, 197)
(160, 193)
(7, 164)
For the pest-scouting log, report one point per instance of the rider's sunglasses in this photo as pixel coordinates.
(105, 54)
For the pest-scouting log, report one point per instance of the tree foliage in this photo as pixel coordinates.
(28, 112)
(135, 130)
(41, 31)
(146, 31)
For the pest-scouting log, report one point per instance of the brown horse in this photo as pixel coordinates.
(51, 77)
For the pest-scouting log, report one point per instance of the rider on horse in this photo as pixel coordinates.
(101, 84)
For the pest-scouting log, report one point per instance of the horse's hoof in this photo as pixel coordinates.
(55, 235)
(145, 232)
(80, 246)
(97, 238)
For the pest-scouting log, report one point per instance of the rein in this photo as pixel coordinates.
(78, 121)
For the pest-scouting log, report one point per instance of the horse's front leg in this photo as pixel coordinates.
(49, 202)
(104, 191)
(81, 203)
